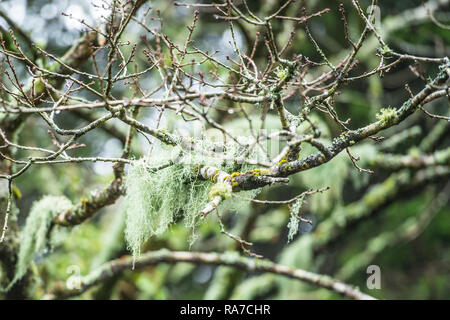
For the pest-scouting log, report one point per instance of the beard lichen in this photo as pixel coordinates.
(156, 198)
(34, 236)
(294, 219)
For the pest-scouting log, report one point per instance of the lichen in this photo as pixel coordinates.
(33, 237)
(294, 220)
(282, 73)
(220, 189)
(386, 114)
(256, 172)
(154, 199)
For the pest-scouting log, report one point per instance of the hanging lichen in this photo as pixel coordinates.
(33, 237)
(294, 220)
(155, 198)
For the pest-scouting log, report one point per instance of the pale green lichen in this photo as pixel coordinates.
(294, 220)
(155, 199)
(282, 73)
(386, 114)
(33, 237)
(221, 189)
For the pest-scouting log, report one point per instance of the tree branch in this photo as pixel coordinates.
(231, 259)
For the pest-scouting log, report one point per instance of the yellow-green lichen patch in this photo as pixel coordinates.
(386, 114)
(234, 174)
(256, 172)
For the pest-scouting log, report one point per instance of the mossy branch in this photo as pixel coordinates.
(349, 138)
(237, 181)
